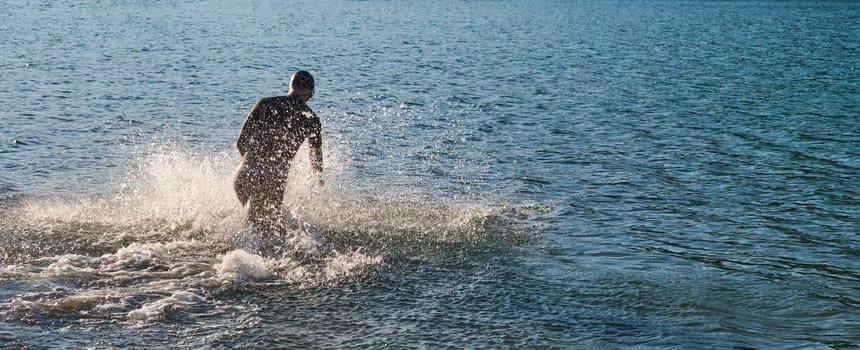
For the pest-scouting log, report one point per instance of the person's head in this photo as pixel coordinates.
(302, 84)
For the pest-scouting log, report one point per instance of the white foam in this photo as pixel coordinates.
(239, 265)
(160, 308)
(302, 242)
(291, 270)
(242, 266)
(341, 266)
(70, 265)
(139, 256)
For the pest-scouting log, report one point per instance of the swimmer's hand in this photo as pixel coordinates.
(321, 183)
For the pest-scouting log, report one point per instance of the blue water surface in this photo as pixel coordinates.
(657, 174)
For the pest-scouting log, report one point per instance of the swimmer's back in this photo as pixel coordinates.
(275, 129)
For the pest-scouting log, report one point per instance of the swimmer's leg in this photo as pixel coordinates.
(243, 183)
(264, 208)
(265, 216)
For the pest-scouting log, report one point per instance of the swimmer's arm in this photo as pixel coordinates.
(242, 143)
(248, 128)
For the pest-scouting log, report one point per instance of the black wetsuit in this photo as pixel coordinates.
(272, 133)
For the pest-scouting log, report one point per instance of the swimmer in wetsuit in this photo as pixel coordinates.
(270, 138)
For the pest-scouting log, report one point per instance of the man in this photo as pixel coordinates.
(270, 138)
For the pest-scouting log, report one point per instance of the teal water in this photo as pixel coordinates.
(500, 174)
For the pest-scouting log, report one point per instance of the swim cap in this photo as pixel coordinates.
(302, 80)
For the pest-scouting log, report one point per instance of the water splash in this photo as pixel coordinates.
(173, 237)
(173, 195)
(169, 190)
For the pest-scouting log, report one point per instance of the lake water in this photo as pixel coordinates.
(500, 174)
